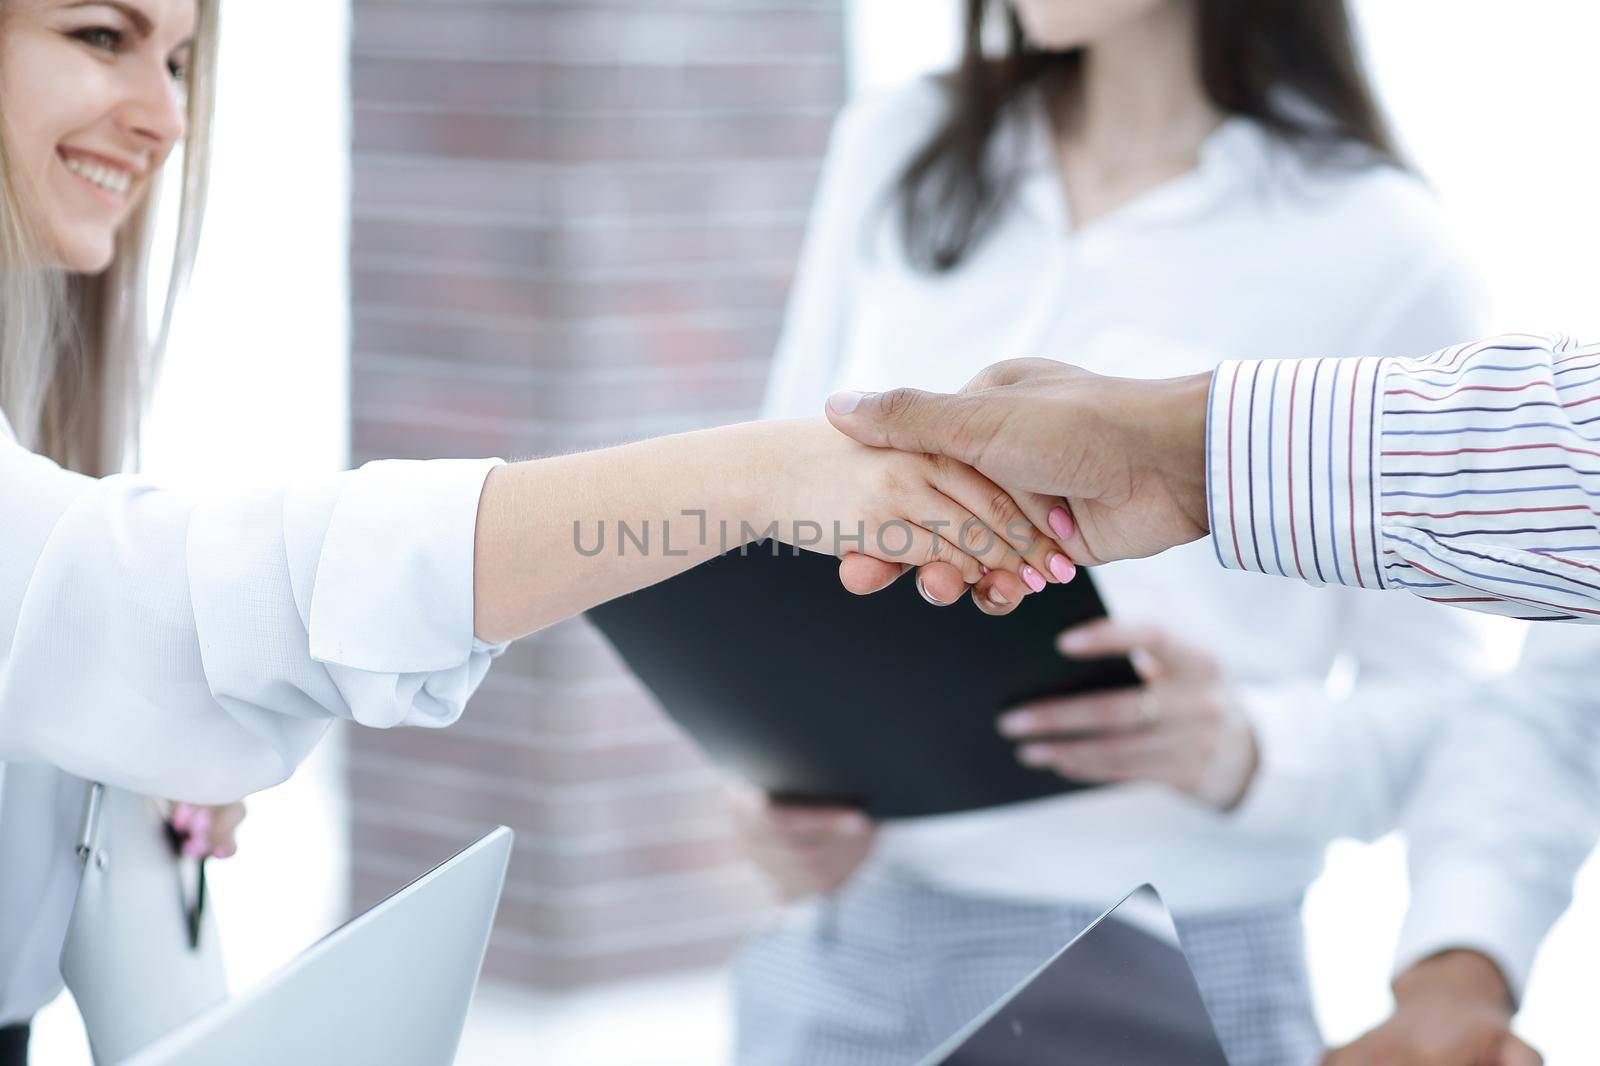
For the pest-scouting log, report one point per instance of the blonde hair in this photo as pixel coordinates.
(77, 357)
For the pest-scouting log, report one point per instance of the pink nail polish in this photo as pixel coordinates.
(200, 824)
(196, 847)
(1062, 568)
(1033, 579)
(985, 569)
(181, 813)
(1061, 523)
(221, 852)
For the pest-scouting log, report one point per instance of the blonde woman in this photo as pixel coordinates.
(199, 648)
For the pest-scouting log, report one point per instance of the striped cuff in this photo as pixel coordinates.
(1292, 467)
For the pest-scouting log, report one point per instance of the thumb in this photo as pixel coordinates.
(908, 420)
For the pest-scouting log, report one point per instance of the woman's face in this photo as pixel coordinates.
(92, 99)
(1061, 25)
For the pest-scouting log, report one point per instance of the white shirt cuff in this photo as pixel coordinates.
(1290, 756)
(393, 592)
(1474, 905)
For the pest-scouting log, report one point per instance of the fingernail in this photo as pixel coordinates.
(200, 824)
(1033, 756)
(1033, 579)
(181, 813)
(854, 823)
(985, 569)
(1061, 523)
(1062, 567)
(842, 403)
(1070, 641)
(998, 599)
(926, 595)
(196, 846)
(1015, 725)
(222, 852)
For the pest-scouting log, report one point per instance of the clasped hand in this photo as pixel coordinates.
(1127, 456)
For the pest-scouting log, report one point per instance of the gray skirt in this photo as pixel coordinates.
(883, 973)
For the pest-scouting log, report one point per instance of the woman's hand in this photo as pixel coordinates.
(1182, 727)
(906, 509)
(207, 832)
(803, 850)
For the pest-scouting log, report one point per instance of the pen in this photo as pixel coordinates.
(197, 912)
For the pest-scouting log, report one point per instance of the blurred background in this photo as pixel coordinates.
(463, 227)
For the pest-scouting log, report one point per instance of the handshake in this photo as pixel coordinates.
(1128, 456)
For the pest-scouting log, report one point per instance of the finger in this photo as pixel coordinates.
(224, 830)
(811, 825)
(911, 421)
(1117, 711)
(1513, 1052)
(1164, 653)
(998, 592)
(1121, 757)
(198, 841)
(182, 813)
(1001, 524)
(929, 544)
(941, 583)
(865, 575)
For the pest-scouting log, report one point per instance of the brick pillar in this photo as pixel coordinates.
(573, 224)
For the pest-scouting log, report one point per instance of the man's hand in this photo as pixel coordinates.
(1452, 1009)
(1127, 455)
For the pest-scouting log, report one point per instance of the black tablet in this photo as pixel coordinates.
(884, 701)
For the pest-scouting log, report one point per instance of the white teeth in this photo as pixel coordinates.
(112, 179)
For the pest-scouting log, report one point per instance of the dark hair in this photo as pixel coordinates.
(1291, 65)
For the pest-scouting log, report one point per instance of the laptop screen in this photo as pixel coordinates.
(1121, 994)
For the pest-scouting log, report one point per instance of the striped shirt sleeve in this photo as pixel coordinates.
(1469, 477)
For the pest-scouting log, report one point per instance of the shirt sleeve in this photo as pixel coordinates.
(1340, 760)
(198, 649)
(1506, 809)
(1468, 477)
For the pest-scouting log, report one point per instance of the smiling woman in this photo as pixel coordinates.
(198, 648)
(76, 191)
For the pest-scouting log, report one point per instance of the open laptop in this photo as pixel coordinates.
(1120, 994)
(391, 986)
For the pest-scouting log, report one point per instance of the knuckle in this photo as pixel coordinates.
(898, 403)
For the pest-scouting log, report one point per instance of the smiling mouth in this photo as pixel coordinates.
(104, 176)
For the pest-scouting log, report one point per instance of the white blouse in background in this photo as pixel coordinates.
(198, 650)
(1256, 253)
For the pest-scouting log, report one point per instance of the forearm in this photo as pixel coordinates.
(557, 536)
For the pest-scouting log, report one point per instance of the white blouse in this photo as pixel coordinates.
(197, 650)
(1254, 253)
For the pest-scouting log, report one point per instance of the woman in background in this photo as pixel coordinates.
(1150, 186)
(198, 648)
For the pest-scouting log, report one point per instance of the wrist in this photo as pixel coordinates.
(1459, 974)
(750, 477)
(1179, 421)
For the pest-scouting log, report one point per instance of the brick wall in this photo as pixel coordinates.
(573, 223)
